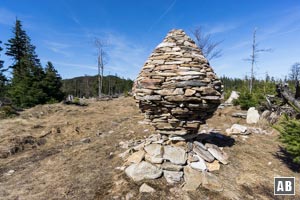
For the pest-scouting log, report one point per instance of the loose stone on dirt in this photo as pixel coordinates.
(143, 170)
(146, 188)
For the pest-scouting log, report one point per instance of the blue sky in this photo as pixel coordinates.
(63, 32)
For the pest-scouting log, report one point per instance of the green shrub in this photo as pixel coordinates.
(246, 100)
(290, 136)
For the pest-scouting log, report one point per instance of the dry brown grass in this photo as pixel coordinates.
(52, 163)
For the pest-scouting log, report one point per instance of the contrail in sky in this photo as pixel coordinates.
(163, 15)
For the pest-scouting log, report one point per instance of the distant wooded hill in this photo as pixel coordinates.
(87, 86)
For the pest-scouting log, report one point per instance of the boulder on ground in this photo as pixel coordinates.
(143, 170)
(192, 178)
(252, 116)
(176, 155)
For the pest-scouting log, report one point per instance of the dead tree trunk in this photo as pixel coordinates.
(290, 99)
(297, 94)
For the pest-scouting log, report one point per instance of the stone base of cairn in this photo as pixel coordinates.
(191, 162)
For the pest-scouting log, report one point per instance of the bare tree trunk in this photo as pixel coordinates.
(297, 94)
(291, 100)
(252, 61)
(99, 76)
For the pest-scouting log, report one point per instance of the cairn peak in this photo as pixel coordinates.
(176, 88)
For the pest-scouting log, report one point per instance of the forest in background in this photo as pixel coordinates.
(87, 86)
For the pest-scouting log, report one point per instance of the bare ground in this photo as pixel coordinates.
(44, 147)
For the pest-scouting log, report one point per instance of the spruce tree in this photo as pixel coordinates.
(2, 76)
(26, 88)
(52, 84)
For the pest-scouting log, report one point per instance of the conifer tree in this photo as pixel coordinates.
(26, 88)
(2, 76)
(52, 84)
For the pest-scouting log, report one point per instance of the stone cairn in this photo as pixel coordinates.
(177, 90)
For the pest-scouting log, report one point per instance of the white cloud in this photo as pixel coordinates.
(221, 28)
(58, 47)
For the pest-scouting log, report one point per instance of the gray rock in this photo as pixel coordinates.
(182, 138)
(192, 178)
(265, 114)
(85, 140)
(211, 182)
(252, 116)
(143, 170)
(233, 96)
(237, 129)
(199, 144)
(203, 153)
(146, 189)
(136, 157)
(239, 115)
(217, 153)
(172, 176)
(171, 167)
(154, 153)
(176, 155)
(199, 165)
(153, 159)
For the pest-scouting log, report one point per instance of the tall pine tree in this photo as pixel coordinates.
(2, 76)
(26, 88)
(52, 84)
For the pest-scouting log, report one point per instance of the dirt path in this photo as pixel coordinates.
(52, 157)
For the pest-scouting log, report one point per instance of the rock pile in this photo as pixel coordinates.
(191, 161)
(177, 89)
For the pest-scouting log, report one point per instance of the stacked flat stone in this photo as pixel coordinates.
(176, 88)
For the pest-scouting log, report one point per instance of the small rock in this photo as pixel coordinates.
(136, 157)
(233, 96)
(85, 140)
(172, 176)
(252, 116)
(129, 196)
(10, 172)
(120, 168)
(110, 132)
(199, 165)
(183, 137)
(206, 155)
(189, 146)
(269, 163)
(146, 188)
(214, 166)
(211, 182)
(125, 153)
(139, 146)
(217, 153)
(154, 153)
(192, 157)
(99, 133)
(143, 170)
(192, 178)
(200, 145)
(176, 155)
(239, 115)
(171, 167)
(237, 129)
